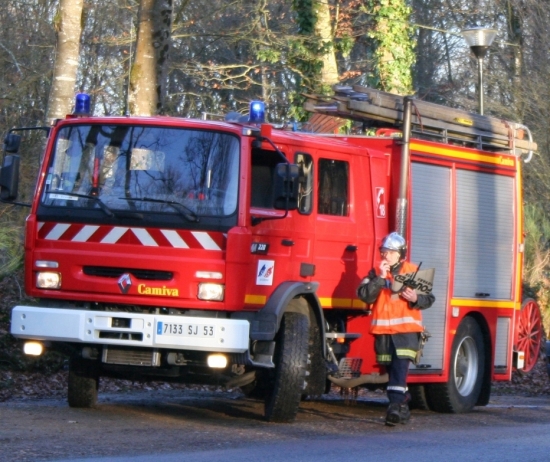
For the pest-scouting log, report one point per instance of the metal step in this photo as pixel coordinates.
(342, 335)
(349, 368)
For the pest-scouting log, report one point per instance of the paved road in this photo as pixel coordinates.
(165, 426)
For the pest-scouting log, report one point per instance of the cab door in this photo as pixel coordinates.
(335, 244)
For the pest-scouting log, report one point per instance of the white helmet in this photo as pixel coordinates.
(394, 241)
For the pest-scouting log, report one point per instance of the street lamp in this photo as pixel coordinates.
(479, 40)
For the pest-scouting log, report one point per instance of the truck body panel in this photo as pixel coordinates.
(168, 239)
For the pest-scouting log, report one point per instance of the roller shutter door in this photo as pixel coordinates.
(484, 236)
(430, 244)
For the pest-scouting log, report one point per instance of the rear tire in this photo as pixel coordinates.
(83, 383)
(461, 392)
(288, 381)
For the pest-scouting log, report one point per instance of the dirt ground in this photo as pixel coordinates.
(142, 422)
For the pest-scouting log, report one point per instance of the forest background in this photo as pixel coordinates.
(190, 58)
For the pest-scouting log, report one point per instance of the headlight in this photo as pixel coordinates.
(211, 291)
(48, 280)
(33, 348)
(217, 361)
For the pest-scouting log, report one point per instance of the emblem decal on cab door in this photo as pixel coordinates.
(264, 273)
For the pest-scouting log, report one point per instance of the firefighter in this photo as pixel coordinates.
(396, 322)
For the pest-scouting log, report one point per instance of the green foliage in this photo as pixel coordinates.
(394, 54)
(305, 18)
(344, 45)
(296, 107)
(268, 55)
(11, 248)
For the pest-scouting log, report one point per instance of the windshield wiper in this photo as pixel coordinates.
(99, 202)
(184, 211)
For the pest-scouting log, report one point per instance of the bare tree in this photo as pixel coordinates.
(67, 24)
(324, 30)
(143, 77)
(148, 74)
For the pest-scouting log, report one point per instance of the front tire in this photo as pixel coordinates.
(461, 392)
(287, 386)
(419, 398)
(317, 369)
(83, 383)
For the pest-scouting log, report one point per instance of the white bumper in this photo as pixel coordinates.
(130, 329)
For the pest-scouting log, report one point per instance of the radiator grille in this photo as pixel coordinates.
(110, 272)
(131, 357)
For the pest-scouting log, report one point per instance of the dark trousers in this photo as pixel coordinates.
(398, 371)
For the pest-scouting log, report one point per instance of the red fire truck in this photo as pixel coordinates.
(229, 252)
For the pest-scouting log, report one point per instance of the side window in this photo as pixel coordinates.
(305, 181)
(333, 187)
(263, 170)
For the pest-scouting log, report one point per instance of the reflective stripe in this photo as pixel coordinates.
(397, 388)
(392, 314)
(383, 358)
(396, 321)
(179, 239)
(405, 352)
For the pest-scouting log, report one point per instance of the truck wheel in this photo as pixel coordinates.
(461, 392)
(83, 383)
(285, 390)
(317, 378)
(419, 399)
(258, 388)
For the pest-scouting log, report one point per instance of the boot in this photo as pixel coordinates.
(404, 413)
(397, 413)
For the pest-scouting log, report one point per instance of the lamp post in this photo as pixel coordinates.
(479, 40)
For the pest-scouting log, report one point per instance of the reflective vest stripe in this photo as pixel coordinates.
(396, 321)
(392, 314)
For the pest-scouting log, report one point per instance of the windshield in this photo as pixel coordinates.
(144, 169)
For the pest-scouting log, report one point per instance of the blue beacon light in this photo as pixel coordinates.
(82, 104)
(257, 112)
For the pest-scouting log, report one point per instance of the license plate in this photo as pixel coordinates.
(185, 329)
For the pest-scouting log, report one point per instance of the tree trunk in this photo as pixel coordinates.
(323, 30)
(68, 26)
(148, 74)
(394, 56)
(162, 41)
(143, 81)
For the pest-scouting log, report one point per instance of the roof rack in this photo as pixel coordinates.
(430, 121)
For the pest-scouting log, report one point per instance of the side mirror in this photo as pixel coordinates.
(286, 186)
(12, 143)
(9, 178)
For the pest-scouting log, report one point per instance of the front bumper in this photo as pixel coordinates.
(130, 329)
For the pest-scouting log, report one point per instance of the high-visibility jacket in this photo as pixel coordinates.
(392, 314)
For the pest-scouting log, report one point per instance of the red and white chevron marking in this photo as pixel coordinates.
(150, 237)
